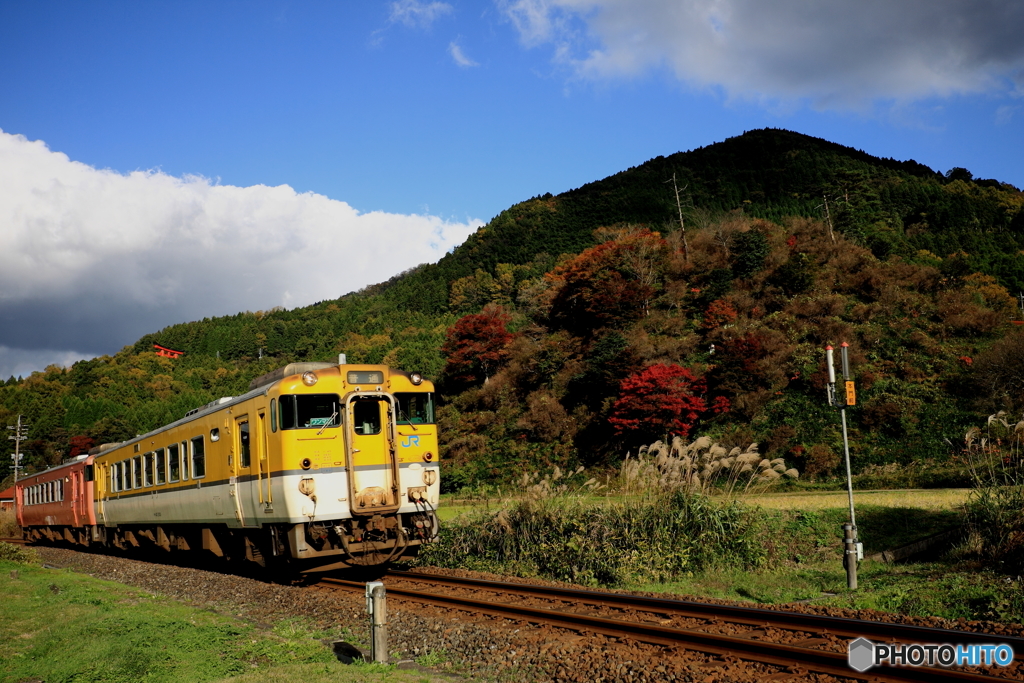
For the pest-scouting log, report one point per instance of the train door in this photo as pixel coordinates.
(76, 496)
(102, 483)
(259, 488)
(242, 479)
(372, 463)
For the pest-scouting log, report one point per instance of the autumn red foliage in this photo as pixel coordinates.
(79, 445)
(476, 345)
(608, 285)
(719, 313)
(660, 400)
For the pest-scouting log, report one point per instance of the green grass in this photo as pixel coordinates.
(59, 626)
(788, 550)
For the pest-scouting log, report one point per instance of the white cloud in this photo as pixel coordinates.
(92, 259)
(413, 13)
(459, 56)
(836, 54)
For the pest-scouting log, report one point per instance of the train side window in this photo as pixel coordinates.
(173, 463)
(245, 452)
(137, 472)
(415, 408)
(115, 477)
(310, 411)
(60, 490)
(198, 458)
(147, 469)
(126, 475)
(184, 461)
(160, 467)
(273, 415)
(89, 473)
(215, 434)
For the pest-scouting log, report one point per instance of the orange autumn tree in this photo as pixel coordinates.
(608, 285)
(476, 345)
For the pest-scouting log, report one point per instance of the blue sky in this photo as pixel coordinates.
(166, 161)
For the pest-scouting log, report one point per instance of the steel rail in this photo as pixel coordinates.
(754, 616)
(776, 654)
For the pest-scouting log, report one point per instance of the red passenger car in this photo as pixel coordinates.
(57, 505)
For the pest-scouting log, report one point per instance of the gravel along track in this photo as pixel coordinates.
(480, 646)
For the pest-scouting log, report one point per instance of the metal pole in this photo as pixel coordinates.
(850, 544)
(17, 438)
(376, 605)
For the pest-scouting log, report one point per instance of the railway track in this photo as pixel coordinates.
(795, 643)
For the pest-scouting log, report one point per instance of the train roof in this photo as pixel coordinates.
(77, 460)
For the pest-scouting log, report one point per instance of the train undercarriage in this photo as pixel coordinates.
(305, 548)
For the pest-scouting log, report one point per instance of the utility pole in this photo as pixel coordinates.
(682, 224)
(20, 434)
(853, 549)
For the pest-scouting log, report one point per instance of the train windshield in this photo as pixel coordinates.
(415, 408)
(309, 411)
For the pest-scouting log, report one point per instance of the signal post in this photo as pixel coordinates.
(853, 549)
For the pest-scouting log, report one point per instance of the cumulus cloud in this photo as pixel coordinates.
(413, 13)
(459, 56)
(837, 53)
(91, 259)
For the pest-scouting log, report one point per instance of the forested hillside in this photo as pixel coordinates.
(574, 327)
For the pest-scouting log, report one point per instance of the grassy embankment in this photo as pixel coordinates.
(658, 533)
(59, 626)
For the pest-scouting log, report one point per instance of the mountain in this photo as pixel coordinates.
(787, 243)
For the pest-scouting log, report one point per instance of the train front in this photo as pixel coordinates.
(358, 464)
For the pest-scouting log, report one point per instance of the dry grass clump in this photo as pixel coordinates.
(995, 510)
(700, 466)
(557, 483)
(9, 525)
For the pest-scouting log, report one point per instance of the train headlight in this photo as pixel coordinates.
(416, 378)
(309, 378)
(429, 477)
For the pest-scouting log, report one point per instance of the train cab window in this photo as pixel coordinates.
(147, 469)
(415, 408)
(366, 415)
(244, 455)
(309, 411)
(273, 415)
(198, 458)
(184, 461)
(137, 472)
(159, 467)
(173, 463)
(89, 473)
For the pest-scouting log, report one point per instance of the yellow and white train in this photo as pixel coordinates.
(319, 466)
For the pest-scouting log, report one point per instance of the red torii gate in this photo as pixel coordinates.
(165, 352)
